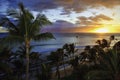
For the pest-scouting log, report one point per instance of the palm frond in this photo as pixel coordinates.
(5, 21)
(44, 36)
(21, 7)
(43, 20)
(11, 40)
(37, 24)
(13, 13)
(111, 61)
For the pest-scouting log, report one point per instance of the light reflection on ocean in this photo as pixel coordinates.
(79, 39)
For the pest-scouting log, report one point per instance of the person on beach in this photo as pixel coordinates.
(112, 41)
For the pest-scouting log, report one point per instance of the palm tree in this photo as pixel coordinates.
(36, 61)
(18, 61)
(70, 50)
(109, 68)
(26, 29)
(45, 72)
(5, 65)
(56, 58)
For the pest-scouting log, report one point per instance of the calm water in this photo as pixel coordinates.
(80, 39)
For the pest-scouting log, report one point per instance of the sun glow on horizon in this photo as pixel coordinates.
(110, 29)
(101, 30)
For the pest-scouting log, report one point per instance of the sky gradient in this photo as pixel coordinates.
(94, 16)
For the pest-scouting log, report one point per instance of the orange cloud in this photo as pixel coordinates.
(93, 20)
(100, 17)
(81, 5)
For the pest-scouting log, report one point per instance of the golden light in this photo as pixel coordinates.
(101, 30)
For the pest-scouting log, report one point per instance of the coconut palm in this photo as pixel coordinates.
(70, 50)
(35, 61)
(19, 58)
(45, 72)
(18, 61)
(56, 58)
(24, 30)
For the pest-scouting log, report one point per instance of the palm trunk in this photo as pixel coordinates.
(58, 72)
(65, 70)
(64, 65)
(27, 59)
(37, 67)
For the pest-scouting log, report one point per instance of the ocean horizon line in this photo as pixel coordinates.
(76, 32)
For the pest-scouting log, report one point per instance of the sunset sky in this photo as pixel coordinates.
(96, 16)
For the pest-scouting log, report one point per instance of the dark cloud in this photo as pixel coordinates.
(61, 26)
(93, 20)
(45, 5)
(3, 5)
(58, 26)
(38, 5)
(68, 5)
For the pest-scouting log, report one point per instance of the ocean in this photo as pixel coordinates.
(79, 39)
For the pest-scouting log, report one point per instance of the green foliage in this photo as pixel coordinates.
(45, 73)
(44, 36)
(56, 56)
(26, 26)
(24, 30)
(109, 67)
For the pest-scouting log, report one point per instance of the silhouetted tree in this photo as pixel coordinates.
(26, 29)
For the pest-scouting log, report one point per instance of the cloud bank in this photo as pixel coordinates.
(68, 5)
(93, 20)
